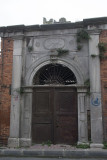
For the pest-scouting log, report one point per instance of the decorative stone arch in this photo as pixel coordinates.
(39, 64)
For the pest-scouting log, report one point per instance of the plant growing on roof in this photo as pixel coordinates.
(81, 35)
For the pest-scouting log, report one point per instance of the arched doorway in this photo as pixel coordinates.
(54, 111)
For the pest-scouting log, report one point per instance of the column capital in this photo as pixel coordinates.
(18, 37)
(82, 89)
(27, 89)
(94, 31)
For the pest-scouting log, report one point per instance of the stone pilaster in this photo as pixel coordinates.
(82, 116)
(13, 140)
(26, 117)
(95, 89)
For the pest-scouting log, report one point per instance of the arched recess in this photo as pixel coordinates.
(54, 106)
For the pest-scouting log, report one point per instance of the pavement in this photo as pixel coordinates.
(53, 151)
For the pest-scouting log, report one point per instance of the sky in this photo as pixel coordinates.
(31, 12)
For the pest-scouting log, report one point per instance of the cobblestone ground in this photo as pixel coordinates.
(51, 146)
(45, 146)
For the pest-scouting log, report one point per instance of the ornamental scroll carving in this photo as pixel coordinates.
(53, 43)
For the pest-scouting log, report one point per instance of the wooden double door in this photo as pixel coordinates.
(55, 115)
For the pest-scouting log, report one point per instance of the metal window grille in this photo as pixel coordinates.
(54, 74)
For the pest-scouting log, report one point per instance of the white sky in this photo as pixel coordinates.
(16, 12)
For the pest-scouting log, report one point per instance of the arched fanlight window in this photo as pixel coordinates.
(54, 74)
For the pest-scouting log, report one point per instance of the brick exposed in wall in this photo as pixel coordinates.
(6, 61)
(103, 38)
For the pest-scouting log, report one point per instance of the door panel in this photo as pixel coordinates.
(55, 115)
(42, 101)
(66, 121)
(42, 115)
(43, 132)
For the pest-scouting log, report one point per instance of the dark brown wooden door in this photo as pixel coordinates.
(42, 113)
(54, 115)
(66, 117)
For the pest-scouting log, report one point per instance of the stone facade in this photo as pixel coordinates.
(31, 48)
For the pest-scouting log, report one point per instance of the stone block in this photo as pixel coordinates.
(24, 142)
(13, 142)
